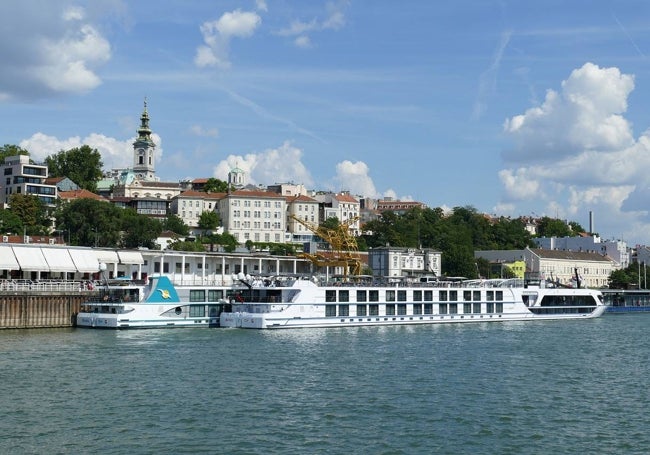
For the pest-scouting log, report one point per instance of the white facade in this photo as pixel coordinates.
(615, 249)
(558, 265)
(400, 262)
(304, 208)
(341, 206)
(189, 205)
(21, 177)
(258, 216)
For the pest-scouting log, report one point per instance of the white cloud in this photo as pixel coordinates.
(261, 5)
(334, 20)
(217, 35)
(355, 178)
(198, 130)
(115, 153)
(282, 164)
(48, 50)
(576, 152)
(302, 42)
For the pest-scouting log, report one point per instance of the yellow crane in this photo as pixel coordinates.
(344, 252)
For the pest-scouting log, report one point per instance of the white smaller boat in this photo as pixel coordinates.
(158, 305)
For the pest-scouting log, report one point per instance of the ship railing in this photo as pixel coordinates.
(47, 285)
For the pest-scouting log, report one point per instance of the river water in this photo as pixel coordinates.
(570, 387)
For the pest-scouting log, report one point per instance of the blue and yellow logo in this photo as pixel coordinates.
(164, 293)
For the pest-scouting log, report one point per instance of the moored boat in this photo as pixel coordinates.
(160, 304)
(299, 303)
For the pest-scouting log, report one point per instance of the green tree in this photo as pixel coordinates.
(11, 150)
(175, 224)
(552, 227)
(213, 185)
(90, 222)
(10, 223)
(625, 278)
(83, 165)
(208, 220)
(139, 230)
(32, 213)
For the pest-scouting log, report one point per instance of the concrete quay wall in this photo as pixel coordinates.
(31, 310)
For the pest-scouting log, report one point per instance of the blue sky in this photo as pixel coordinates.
(513, 107)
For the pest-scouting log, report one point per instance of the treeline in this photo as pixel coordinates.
(458, 234)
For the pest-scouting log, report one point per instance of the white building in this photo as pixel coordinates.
(189, 205)
(256, 215)
(341, 206)
(401, 262)
(559, 266)
(22, 177)
(306, 209)
(615, 249)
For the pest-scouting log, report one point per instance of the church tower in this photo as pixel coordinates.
(143, 150)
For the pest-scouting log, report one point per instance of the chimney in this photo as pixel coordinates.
(591, 222)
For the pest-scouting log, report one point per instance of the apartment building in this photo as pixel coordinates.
(190, 204)
(256, 215)
(23, 177)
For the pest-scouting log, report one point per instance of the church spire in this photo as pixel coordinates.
(144, 132)
(143, 149)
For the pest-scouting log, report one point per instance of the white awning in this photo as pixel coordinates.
(130, 257)
(85, 260)
(58, 259)
(30, 258)
(106, 256)
(8, 259)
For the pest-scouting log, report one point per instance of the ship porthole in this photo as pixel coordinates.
(178, 310)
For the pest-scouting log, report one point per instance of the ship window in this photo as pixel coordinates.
(390, 296)
(443, 296)
(453, 308)
(197, 295)
(330, 310)
(476, 308)
(499, 295)
(442, 308)
(467, 308)
(476, 296)
(390, 309)
(197, 311)
(344, 296)
(401, 296)
(467, 295)
(428, 308)
(453, 296)
(373, 296)
(401, 308)
(361, 310)
(344, 310)
(490, 306)
(499, 307)
(417, 296)
(374, 310)
(428, 296)
(330, 296)
(489, 295)
(417, 308)
(215, 294)
(361, 296)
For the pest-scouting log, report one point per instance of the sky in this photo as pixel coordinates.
(515, 108)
